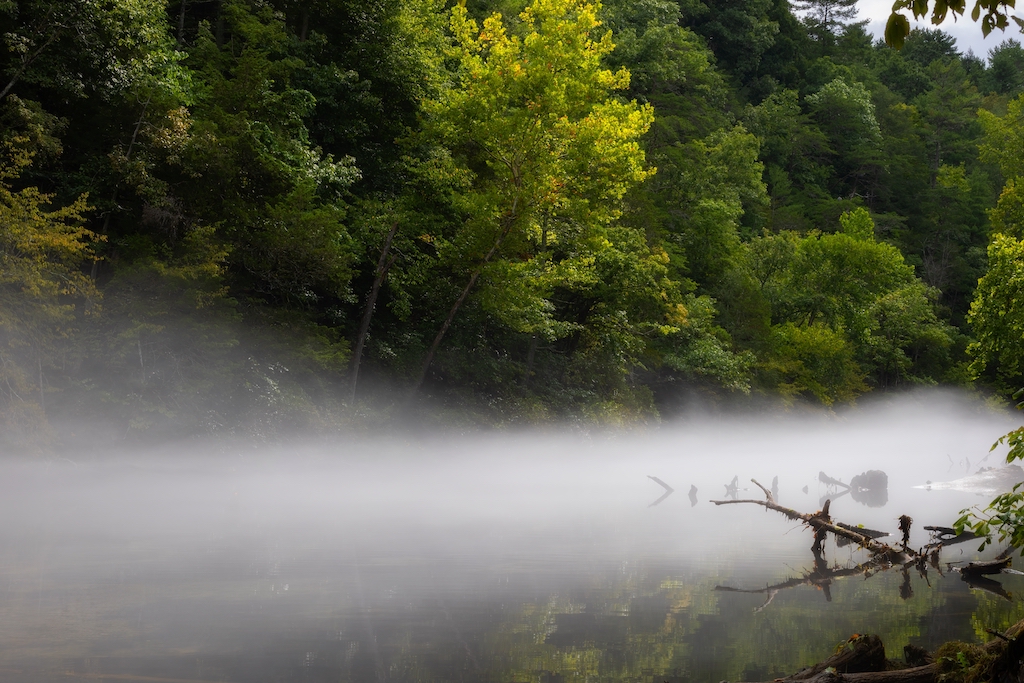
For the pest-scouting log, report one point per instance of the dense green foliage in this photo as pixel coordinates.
(569, 209)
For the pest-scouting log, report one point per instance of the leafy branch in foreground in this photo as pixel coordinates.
(991, 13)
(1005, 513)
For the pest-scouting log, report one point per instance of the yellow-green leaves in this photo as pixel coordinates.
(1004, 138)
(997, 316)
(1008, 215)
(41, 253)
(858, 224)
(846, 310)
(548, 151)
(533, 115)
(997, 313)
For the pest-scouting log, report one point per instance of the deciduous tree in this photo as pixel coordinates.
(544, 150)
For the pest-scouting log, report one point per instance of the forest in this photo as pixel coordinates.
(264, 216)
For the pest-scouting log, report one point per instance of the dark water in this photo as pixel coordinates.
(500, 558)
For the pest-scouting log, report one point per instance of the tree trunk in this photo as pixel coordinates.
(458, 303)
(181, 22)
(26, 62)
(218, 31)
(42, 399)
(530, 354)
(383, 266)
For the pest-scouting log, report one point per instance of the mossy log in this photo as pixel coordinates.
(862, 660)
(858, 655)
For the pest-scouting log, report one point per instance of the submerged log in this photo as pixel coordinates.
(829, 481)
(870, 488)
(873, 533)
(944, 535)
(990, 567)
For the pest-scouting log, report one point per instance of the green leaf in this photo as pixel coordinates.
(896, 30)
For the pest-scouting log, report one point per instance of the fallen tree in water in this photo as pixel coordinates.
(883, 556)
(862, 659)
(822, 524)
(881, 553)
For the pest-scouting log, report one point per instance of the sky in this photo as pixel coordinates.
(967, 33)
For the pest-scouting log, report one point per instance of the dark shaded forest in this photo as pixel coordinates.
(264, 216)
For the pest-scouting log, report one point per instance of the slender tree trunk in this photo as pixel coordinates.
(458, 303)
(42, 400)
(26, 62)
(181, 22)
(128, 155)
(530, 353)
(304, 30)
(142, 363)
(218, 31)
(383, 266)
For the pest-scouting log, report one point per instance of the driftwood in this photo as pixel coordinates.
(862, 660)
(829, 481)
(858, 655)
(822, 524)
(841, 542)
(992, 567)
(944, 535)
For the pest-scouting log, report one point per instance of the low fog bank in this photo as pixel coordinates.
(226, 550)
(525, 490)
(438, 427)
(263, 387)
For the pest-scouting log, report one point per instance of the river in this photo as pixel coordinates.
(541, 556)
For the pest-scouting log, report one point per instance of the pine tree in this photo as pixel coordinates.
(825, 18)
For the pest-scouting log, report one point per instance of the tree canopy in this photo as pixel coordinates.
(526, 210)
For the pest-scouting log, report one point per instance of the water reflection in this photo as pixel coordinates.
(869, 488)
(389, 560)
(668, 490)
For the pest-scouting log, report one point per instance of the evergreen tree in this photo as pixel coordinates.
(826, 18)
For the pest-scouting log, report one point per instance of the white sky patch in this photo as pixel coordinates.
(967, 33)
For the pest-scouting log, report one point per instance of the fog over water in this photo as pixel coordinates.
(506, 556)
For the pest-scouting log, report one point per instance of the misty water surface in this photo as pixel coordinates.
(501, 557)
